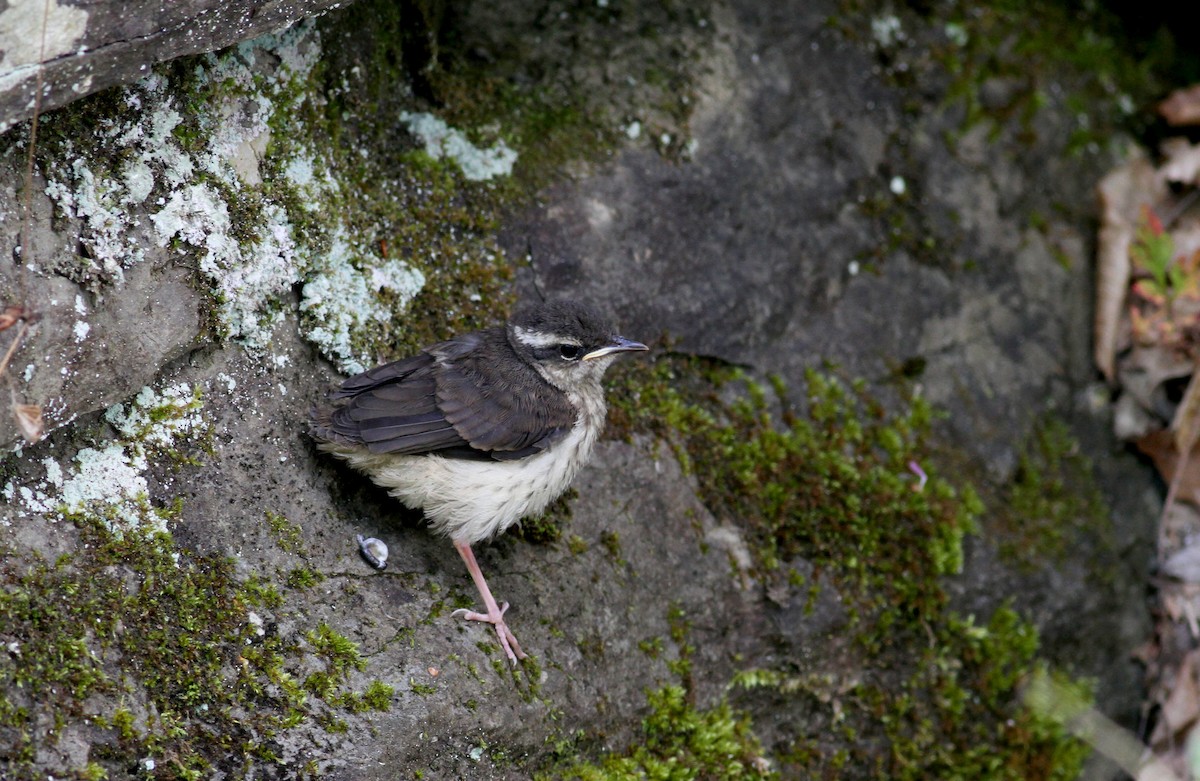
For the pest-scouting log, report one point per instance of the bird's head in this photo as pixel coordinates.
(569, 343)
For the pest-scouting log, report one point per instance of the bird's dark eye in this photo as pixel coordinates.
(570, 352)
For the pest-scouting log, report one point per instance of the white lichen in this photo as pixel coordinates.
(887, 30)
(108, 481)
(441, 140)
(192, 171)
(158, 418)
(345, 298)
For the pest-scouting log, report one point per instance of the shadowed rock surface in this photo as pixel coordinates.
(814, 206)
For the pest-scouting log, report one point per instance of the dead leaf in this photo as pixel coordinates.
(1146, 373)
(1182, 161)
(1123, 193)
(29, 419)
(1160, 446)
(1182, 107)
(10, 316)
(1184, 564)
(1178, 526)
(1181, 706)
(1185, 426)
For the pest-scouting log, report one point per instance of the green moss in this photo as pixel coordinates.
(548, 527)
(1052, 501)
(831, 481)
(648, 55)
(959, 715)
(1005, 58)
(680, 741)
(378, 696)
(652, 647)
(303, 578)
(832, 484)
(341, 654)
(131, 617)
(288, 536)
(423, 689)
(577, 545)
(611, 542)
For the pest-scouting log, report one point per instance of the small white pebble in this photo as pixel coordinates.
(898, 186)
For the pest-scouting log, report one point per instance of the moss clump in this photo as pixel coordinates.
(834, 484)
(628, 62)
(1052, 500)
(853, 489)
(548, 527)
(288, 536)
(132, 619)
(1006, 62)
(678, 741)
(303, 578)
(681, 741)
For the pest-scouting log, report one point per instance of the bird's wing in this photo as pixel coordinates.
(450, 399)
(504, 408)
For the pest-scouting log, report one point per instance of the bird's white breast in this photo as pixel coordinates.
(473, 500)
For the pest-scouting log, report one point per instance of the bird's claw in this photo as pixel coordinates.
(508, 641)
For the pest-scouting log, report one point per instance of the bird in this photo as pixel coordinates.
(480, 430)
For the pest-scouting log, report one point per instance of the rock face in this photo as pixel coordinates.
(818, 212)
(86, 47)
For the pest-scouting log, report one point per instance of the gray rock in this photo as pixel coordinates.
(84, 47)
(89, 347)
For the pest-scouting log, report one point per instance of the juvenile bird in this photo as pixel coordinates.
(481, 430)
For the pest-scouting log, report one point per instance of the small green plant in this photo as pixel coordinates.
(1162, 283)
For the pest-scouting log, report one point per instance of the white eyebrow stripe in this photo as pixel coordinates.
(540, 339)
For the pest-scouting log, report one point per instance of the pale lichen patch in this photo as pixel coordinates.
(441, 140)
(108, 481)
(338, 303)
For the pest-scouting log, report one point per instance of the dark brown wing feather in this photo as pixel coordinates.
(455, 399)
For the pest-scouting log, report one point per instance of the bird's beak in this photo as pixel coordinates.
(619, 345)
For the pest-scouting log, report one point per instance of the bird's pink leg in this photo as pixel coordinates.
(495, 613)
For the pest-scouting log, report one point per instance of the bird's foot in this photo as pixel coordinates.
(508, 641)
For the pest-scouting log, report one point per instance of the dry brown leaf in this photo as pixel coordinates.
(1180, 708)
(29, 419)
(1185, 426)
(1182, 161)
(1160, 446)
(1185, 232)
(1182, 107)
(1183, 564)
(1172, 605)
(1145, 373)
(1122, 194)
(1155, 769)
(10, 316)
